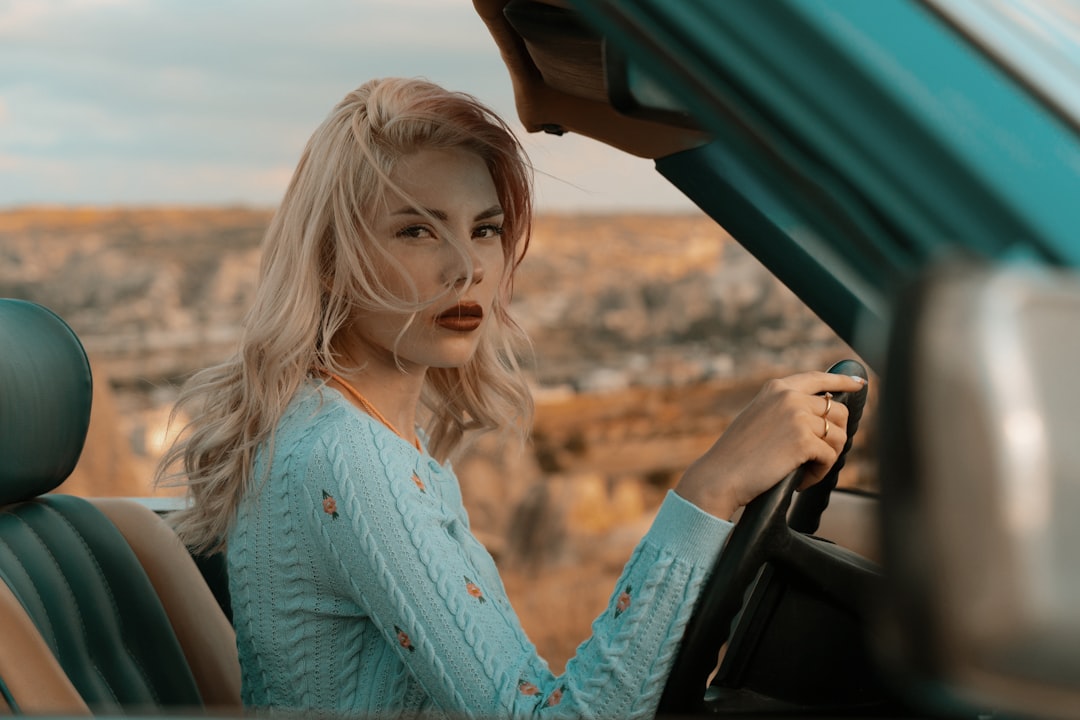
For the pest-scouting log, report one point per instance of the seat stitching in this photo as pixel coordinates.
(78, 612)
(33, 586)
(112, 601)
(71, 593)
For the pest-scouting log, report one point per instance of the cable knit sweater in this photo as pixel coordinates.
(357, 586)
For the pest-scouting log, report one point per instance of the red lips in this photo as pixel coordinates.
(463, 317)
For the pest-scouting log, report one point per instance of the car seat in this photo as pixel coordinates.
(102, 609)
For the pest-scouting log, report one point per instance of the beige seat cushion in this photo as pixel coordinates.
(204, 633)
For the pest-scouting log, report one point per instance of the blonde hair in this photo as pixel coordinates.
(316, 273)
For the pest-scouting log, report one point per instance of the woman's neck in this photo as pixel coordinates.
(394, 394)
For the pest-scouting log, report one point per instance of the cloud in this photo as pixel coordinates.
(121, 181)
(100, 86)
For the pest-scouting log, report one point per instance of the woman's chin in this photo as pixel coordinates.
(456, 353)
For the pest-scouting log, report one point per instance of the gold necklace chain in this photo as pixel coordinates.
(369, 408)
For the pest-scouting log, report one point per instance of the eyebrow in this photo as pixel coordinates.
(491, 212)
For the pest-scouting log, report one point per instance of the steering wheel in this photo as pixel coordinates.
(761, 534)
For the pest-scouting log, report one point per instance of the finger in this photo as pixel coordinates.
(815, 473)
(838, 414)
(827, 407)
(817, 382)
(828, 451)
(828, 400)
(832, 382)
(820, 416)
(832, 435)
(836, 432)
(823, 437)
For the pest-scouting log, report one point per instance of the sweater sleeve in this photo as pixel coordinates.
(403, 555)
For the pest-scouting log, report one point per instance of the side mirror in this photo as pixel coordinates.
(980, 433)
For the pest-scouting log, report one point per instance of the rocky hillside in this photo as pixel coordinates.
(650, 332)
(152, 293)
(610, 301)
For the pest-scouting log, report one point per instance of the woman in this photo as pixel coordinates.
(384, 289)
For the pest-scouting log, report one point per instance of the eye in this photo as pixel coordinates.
(488, 231)
(414, 232)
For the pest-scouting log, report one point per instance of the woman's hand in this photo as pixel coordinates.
(784, 427)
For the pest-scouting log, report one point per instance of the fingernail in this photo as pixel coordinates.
(858, 379)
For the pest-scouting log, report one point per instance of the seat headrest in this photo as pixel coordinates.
(45, 395)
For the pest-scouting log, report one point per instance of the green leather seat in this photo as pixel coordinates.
(68, 566)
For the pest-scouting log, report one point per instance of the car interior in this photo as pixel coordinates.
(102, 609)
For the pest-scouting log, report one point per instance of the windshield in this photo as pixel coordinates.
(1038, 41)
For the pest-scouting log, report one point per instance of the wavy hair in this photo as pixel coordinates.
(316, 272)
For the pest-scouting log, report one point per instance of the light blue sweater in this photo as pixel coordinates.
(357, 586)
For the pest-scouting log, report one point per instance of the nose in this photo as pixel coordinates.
(458, 270)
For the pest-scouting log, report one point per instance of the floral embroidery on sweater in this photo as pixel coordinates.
(329, 505)
(403, 639)
(555, 697)
(474, 591)
(622, 603)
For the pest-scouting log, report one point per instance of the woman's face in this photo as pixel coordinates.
(454, 186)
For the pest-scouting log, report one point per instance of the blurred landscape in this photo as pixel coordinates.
(650, 333)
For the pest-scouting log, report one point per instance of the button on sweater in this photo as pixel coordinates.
(357, 586)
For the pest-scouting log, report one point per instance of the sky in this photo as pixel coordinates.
(209, 102)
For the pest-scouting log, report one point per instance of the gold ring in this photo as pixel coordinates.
(828, 404)
(826, 433)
